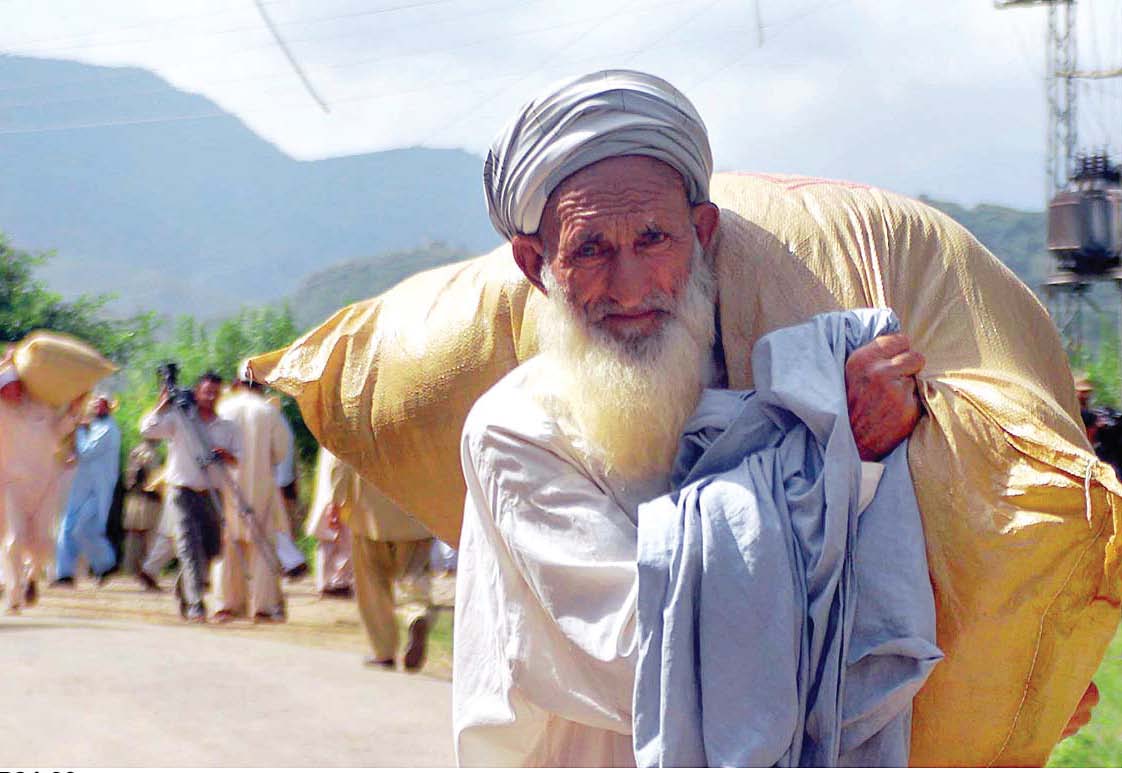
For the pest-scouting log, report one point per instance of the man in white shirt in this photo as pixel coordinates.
(601, 186)
(264, 437)
(191, 486)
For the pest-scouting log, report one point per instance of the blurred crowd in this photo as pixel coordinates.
(207, 505)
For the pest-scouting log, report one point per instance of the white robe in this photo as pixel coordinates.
(545, 625)
(264, 442)
(545, 594)
(32, 479)
(333, 553)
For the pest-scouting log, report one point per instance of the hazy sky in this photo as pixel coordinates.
(943, 97)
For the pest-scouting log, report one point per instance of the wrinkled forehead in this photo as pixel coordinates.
(636, 187)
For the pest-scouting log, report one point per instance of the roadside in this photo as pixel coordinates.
(328, 623)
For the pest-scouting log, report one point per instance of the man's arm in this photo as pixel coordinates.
(881, 389)
(228, 445)
(158, 423)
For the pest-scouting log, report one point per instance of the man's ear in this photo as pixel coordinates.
(530, 257)
(706, 217)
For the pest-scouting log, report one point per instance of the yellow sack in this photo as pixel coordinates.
(56, 368)
(1020, 517)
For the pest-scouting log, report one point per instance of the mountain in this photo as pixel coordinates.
(1015, 236)
(198, 214)
(321, 294)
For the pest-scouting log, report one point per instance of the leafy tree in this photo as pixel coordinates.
(26, 305)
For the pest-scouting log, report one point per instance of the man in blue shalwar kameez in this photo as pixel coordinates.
(97, 447)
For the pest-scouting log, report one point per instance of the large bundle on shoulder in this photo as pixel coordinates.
(1020, 517)
(57, 368)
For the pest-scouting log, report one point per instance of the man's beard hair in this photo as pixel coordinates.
(629, 399)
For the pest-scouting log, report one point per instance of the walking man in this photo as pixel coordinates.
(97, 448)
(264, 437)
(31, 477)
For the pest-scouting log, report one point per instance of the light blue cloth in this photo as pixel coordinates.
(82, 530)
(285, 472)
(777, 626)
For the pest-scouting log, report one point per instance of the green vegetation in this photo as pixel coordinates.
(26, 304)
(1099, 744)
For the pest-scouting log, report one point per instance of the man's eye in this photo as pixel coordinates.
(588, 250)
(650, 238)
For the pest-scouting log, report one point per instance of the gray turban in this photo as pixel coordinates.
(579, 122)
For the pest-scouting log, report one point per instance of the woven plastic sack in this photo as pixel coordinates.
(56, 368)
(1020, 517)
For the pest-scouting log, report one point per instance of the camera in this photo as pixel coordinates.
(168, 375)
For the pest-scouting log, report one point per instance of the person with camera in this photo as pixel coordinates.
(191, 487)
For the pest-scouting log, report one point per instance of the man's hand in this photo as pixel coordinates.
(225, 457)
(333, 520)
(163, 399)
(880, 388)
(1082, 713)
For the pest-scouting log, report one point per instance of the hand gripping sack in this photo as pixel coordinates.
(56, 368)
(1020, 517)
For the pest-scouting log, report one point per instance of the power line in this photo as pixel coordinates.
(213, 33)
(291, 59)
(426, 88)
(320, 38)
(488, 40)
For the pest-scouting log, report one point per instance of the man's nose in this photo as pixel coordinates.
(630, 281)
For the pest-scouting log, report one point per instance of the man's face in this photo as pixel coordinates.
(619, 238)
(101, 407)
(1084, 396)
(629, 323)
(206, 394)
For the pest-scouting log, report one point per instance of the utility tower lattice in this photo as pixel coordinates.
(1059, 88)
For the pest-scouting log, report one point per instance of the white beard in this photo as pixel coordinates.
(630, 399)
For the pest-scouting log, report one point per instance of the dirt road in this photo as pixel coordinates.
(110, 677)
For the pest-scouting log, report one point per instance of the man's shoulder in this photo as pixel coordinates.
(514, 406)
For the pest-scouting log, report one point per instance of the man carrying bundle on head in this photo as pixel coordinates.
(741, 620)
(44, 380)
(32, 473)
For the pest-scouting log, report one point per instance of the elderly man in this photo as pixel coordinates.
(97, 448)
(264, 436)
(31, 481)
(601, 187)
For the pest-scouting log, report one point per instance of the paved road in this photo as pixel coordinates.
(105, 693)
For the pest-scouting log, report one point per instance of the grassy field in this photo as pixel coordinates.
(1099, 744)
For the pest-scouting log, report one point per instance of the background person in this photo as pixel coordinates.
(388, 545)
(32, 478)
(190, 490)
(264, 443)
(97, 448)
(142, 506)
(334, 570)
